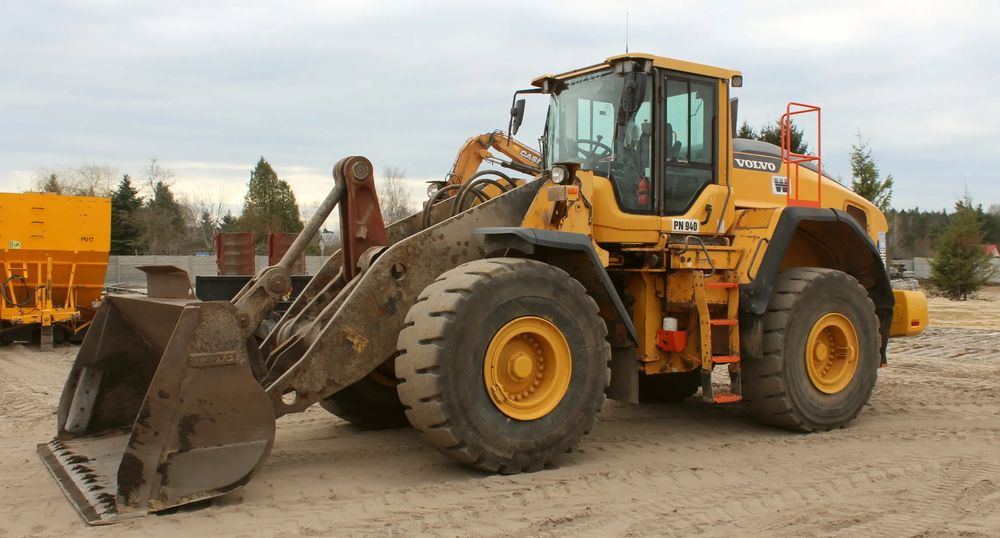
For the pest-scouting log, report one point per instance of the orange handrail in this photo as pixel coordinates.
(788, 157)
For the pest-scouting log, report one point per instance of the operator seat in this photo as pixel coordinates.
(673, 149)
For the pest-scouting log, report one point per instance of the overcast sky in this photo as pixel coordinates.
(209, 87)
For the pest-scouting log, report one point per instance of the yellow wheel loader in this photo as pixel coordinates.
(652, 249)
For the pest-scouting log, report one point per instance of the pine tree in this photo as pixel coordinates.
(206, 227)
(746, 132)
(163, 201)
(163, 220)
(51, 183)
(991, 223)
(961, 265)
(865, 174)
(125, 229)
(269, 205)
(771, 133)
(229, 223)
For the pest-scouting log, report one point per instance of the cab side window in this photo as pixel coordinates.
(689, 140)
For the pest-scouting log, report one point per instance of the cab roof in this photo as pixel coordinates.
(658, 61)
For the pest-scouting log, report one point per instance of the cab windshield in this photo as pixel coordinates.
(583, 127)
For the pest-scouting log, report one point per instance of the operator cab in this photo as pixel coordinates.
(648, 124)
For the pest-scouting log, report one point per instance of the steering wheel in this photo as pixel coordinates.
(596, 152)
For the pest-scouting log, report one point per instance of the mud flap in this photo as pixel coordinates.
(624, 385)
(160, 409)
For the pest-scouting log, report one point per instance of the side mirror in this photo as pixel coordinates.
(734, 110)
(516, 116)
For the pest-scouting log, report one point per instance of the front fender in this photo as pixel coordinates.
(572, 252)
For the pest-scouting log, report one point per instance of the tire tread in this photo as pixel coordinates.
(417, 365)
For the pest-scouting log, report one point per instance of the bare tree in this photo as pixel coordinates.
(329, 241)
(155, 173)
(84, 180)
(392, 196)
(205, 214)
(94, 180)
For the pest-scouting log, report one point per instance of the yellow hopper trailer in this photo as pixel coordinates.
(53, 256)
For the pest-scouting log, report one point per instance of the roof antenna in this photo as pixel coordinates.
(626, 31)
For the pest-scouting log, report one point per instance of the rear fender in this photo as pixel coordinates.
(818, 237)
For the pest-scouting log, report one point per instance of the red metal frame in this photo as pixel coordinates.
(788, 158)
(361, 223)
(234, 253)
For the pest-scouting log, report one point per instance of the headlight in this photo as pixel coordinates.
(433, 187)
(560, 175)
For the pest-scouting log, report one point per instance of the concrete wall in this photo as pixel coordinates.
(122, 269)
(922, 269)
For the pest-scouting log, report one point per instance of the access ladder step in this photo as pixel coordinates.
(726, 359)
(709, 395)
(726, 397)
(721, 284)
(717, 322)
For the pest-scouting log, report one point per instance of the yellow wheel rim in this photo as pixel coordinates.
(527, 368)
(832, 353)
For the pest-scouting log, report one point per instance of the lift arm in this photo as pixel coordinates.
(477, 149)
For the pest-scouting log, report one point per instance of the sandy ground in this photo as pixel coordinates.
(922, 460)
(982, 311)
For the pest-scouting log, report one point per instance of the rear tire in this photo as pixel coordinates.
(668, 388)
(782, 388)
(369, 405)
(449, 343)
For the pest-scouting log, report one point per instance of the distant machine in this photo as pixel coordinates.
(53, 256)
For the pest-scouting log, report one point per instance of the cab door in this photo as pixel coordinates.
(690, 194)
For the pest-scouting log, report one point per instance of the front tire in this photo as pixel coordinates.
(504, 364)
(369, 404)
(821, 352)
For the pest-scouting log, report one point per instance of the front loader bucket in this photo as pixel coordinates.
(160, 409)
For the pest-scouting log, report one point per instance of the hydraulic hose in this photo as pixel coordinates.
(425, 220)
(459, 202)
(473, 185)
(24, 283)
(428, 207)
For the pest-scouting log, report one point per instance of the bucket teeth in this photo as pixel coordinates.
(90, 487)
